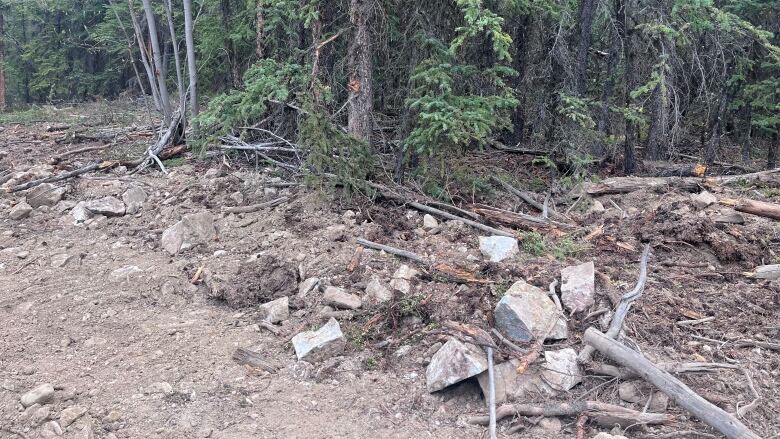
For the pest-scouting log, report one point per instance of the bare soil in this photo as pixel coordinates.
(149, 354)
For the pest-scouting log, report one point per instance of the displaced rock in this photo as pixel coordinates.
(39, 395)
(326, 342)
(376, 293)
(41, 415)
(659, 403)
(307, 286)
(339, 298)
(429, 222)
(20, 211)
(193, 230)
(513, 387)
(134, 198)
(561, 370)
(80, 213)
(703, 199)
(578, 287)
(70, 414)
(629, 391)
(402, 277)
(603, 435)
(45, 194)
(125, 272)
(770, 272)
(525, 312)
(596, 207)
(498, 248)
(276, 311)
(108, 206)
(53, 427)
(60, 260)
(729, 218)
(454, 362)
(160, 387)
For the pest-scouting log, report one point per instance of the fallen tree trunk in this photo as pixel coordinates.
(754, 207)
(63, 176)
(602, 413)
(686, 398)
(624, 185)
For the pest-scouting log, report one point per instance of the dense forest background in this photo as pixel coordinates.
(578, 82)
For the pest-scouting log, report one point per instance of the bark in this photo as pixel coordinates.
(771, 156)
(657, 144)
(609, 86)
(158, 61)
(2, 62)
(144, 58)
(625, 31)
(176, 57)
(259, 29)
(129, 51)
(747, 137)
(360, 87)
(713, 146)
(587, 11)
(191, 70)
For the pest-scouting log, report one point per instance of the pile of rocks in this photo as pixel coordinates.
(38, 410)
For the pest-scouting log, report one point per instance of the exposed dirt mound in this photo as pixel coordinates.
(259, 279)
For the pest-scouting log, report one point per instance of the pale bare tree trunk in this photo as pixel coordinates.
(159, 69)
(176, 59)
(259, 28)
(191, 70)
(130, 54)
(2, 62)
(360, 93)
(144, 58)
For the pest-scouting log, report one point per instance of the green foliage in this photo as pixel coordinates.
(567, 247)
(533, 243)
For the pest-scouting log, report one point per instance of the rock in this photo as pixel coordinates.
(80, 213)
(429, 222)
(659, 403)
(578, 287)
(513, 387)
(603, 435)
(39, 395)
(596, 207)
(338, 298)
(193, 230)
(54, 428)
(116, 415)
(70, 414)
(498, 248)
(550, 425)
(629, 391)
(561, 370)
(108, 206)
(729, 218)
(41, 415)
(134, 198)
(703, 199)
(45, 194)
(276, 311)
(454, 362)
(160, 387)
(60, 260)
(376, 293)
(769, 272)
(525, 312)
(23, 254)
(405, 272)
(403, 286)
(237, 198)
(125, 272)
(20, 211)
(326, 342)
(307, 286)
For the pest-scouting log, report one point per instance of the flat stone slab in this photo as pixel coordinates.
(39, 395)
(498, 248)
(578, 287)
(326, 342)
(338, 298)
(454, 362)
(561, 370)
(276, 311)
(108, 206)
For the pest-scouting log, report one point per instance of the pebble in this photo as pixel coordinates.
(160, 387)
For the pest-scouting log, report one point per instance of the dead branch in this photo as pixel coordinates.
(686, 398)
(616, 325)
(673, 368)
(602, 413)
(253, 359)
(525, 196)
(624, 185)
(392, 250)
(754, 207)
(56, 159)
(63, 176)
(256, 207)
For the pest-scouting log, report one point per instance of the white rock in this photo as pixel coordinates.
(326, 342)
(108, 206)
(429, 222)
(525, 312)
(454, 362)
(80, 213)
(376, 293)
(159, 387)
(307, 286)
(39, 395)
(20, 211)
(703, 199)
(60, 260)
(513, 387)
(498, 248)
(578, 287)
(770, 272)
(276, 311)
(45, 194)
(134, 198)
(405, 272)
(603, 435)
(596, 207)
(561, 370)
(126, 272)
(70, 414)
(338, 298)
(193, 230)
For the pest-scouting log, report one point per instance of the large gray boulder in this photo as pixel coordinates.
(20, 211)
(526, 312)
(45, 194)
(561, 370)
(193, 230)
(108, 206)
(454, 362)
(578, 287)
(326, 342)
(498, 248)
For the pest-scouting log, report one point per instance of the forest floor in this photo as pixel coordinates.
(146, 352)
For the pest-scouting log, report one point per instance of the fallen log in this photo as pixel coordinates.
(673, 368)
(602, 413)
(63, 176)
(252, 359)
(624, 185)
(256, 207)
(686, 398)
(754, 207)
(56, 159)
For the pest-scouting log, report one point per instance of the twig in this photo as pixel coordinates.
(256, 207)
(476, 225)
(58, 158)
(506, 341)
(742, 411)
(253, 359)
(63, 176)
(270, 327)
(491, 395)
(616, 325)
(392, 250)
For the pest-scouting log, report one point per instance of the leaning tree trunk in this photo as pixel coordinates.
(176, 58)
(158, 61)
(144, 58)
(360, 94)
(191, 70)
(624, 28)
(2, 62)
(587, 11)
